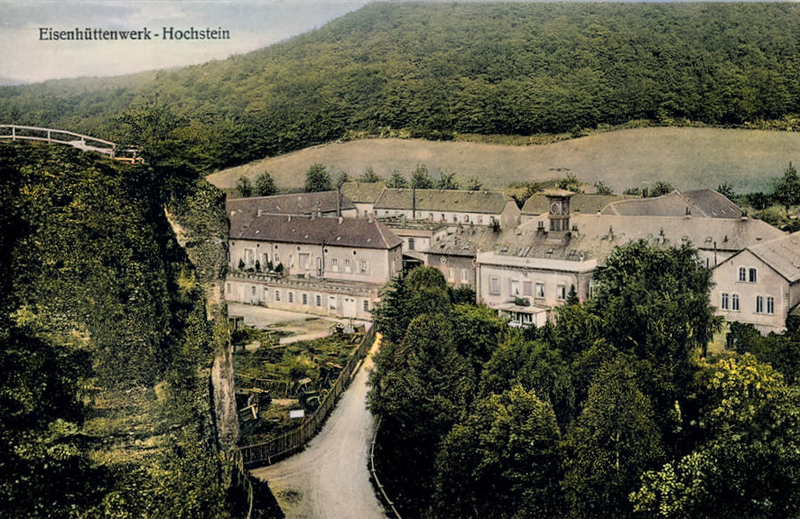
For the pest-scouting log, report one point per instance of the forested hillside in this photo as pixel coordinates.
(107, 340)
(432, 70)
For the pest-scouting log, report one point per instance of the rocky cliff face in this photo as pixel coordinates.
(117, 395)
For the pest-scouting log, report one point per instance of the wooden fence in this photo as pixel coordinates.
(268, 452)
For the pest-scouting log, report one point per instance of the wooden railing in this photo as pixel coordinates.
(268, 452)
(82, 142)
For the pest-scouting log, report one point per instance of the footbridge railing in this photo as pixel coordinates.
(76, 140)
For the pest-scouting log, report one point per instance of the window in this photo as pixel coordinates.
(735, 302)
(770, 305)
(514, 287)
(305, 260)
(527, 288)
(561, 292)
(335, 265)
(455, 218)
(277, 295)
(228, 288)
(451, 275)
(494, 286)
(249, 257)
(480, 220)
(305, 299)
(347, 266)
(464, 276)
(411, 244)
(742, 274)
(724, 302)
(366, 305)
(753, 276)
(277, 258)
(466, 218)
(291, 297)
(332, 302)
(443, 217)
(363, 266)
(319, 300)
(430, 216)
(253, 290)
(759, 304)
(540, 290)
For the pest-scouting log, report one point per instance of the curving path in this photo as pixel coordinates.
(330, 478)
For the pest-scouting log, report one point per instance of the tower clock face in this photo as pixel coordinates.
(555, 208)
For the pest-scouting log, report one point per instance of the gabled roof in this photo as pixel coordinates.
(782, 255)
(579, 203)
(294, 204)
(341, 232)
(447, 200)
(703, 203)
(362, 192)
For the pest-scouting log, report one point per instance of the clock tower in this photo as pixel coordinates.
(558, 201)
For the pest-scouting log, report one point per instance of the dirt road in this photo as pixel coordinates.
(330, 479)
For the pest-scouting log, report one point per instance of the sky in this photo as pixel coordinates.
(28, 52)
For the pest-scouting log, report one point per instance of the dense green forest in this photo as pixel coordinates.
(433, 70)
(616, 410)
(106, 350)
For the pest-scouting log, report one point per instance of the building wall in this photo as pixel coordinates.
(305, 298)
(449, 217)
(329, 261)
(500, 284)
(767, 284)
(457, 270)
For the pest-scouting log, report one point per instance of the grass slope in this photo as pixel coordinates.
(689, 158)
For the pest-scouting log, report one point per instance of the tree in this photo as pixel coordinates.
(661, 188)
(421, 179)
(615, 440)
(570, 183)
(745, 463)
(787, 188)
(726, 189)
(502, 461)
(473, 184)
(265, 185)
(244, 187)
(602, 189)
(369, 177)
(447, 181)
(397, 180)
(318, 179)
(341, 179)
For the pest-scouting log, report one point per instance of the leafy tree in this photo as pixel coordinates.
(570, 183)
(447, 181)
(265, 185)
(244, 187)
(397, 180)
(661, 188)
(318, 179)
(758, 200)
(602, 189)
(745, 462)
(726, 190)
(369, 177)
(614, 441)
(632, 191)
(502, 461)
(782, 352)
(421, 179)
(787, 188)
(474, 184)
(341, 179)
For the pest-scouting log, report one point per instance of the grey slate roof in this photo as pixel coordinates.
(782, 254)
(444, 200)
(701, 203)
(295, 204)
(342, 232)
(362, 192)
(597, 235)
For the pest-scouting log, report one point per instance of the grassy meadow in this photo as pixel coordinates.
(689, 158)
